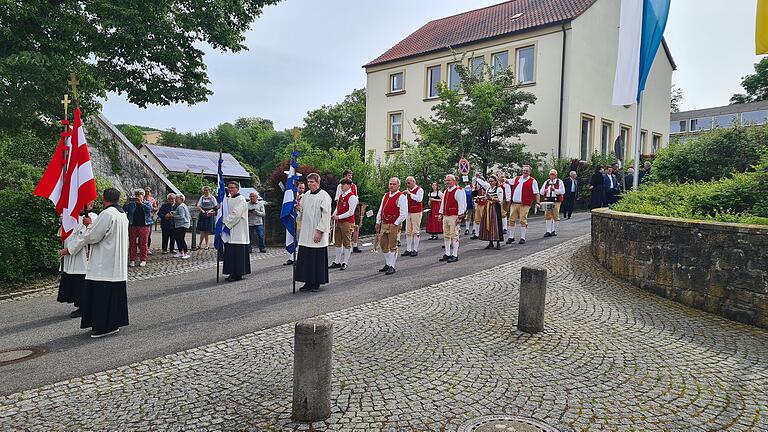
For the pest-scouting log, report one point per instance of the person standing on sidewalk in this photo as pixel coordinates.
(72, 283)
(181, 222)
(415, 196)
(256, 213)
(344, 215)
(347, 174)
(524, 190)
(452, 210)
(105, 301)
(148, 197)
(165, 214)
(139, 212)
(315, 216)
(392, 212)
(206, 216)
(237, 262)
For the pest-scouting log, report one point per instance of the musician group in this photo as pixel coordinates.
(493, 209)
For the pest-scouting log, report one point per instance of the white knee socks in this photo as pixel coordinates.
(345, 255)
(408, 242)
(337, 260)
(455, 247)
(522, 232)
(447, 243)
(548, 223)
(513, 232)
(415, 243)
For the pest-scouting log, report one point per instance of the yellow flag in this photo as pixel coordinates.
(761, 30)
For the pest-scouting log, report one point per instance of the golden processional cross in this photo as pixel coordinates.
(66, 103)
(73, 82)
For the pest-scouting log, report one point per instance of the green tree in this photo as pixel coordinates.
(133, 133)
(676, 98)
(147, 49)
(755, 85)
(340, 125)
(482, 118)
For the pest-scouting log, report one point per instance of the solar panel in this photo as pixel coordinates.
(179, 160)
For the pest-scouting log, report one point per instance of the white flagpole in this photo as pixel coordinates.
(638, 144)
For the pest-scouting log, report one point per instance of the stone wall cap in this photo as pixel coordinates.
(701, 224)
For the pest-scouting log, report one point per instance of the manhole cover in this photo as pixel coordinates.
(505, 424)
(15, 355)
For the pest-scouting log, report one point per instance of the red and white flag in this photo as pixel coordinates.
(69, 190)
(79, 183)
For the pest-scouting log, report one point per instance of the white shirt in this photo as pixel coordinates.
(517, 194)
(108, 237)
(76, 262)
(353, 200)
(402, 204)
(461, 199)
(559, 188)
(418, 196)
(315, 215)
(573, 185)
(487, 186)
(507, 190)
(236, 220)
(338, 192)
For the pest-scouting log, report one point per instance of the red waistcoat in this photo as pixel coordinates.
(450, 204)
(527, 196)
(343, 207)
(389, 209)
(413, 205)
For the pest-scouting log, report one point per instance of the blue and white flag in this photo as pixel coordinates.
(641, 27)
(288, 212)
(222, 231)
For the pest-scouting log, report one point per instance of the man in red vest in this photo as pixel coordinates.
(392, 212)
(553, 190)
(344, 215)
(415, 195)
(524, 190)
(452, 210)
(347, 174)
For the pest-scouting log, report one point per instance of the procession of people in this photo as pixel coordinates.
(98, 252)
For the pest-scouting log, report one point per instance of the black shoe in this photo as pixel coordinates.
(444, 258)
(104, 333)
(510, 240)
(490, 245)
(406, 253)
(231, 279)
(466, 232)
(383, 269)
(554, 234)
(314, 288)
(304, 287)
(398, 243)
(334, 265)
(569, 217)
(390, 271)
(498, 246)
(289, 262)
(343, 267)
(356, 250)
(522, 241)
(77, 313)
(452, 259)
(263, 251)
(504, 232)
(474, 237)
(414, 254)
(548, 234)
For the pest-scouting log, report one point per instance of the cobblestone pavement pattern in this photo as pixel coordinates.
(611, 357)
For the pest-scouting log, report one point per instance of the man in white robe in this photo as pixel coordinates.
(72, 284)
(237, 261)
(105, 300)
(315, 218)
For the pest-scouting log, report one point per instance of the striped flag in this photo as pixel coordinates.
(52, 182)
(79, 184)
(641, 27)
(222, 231)
(288, 212)
(761, 28)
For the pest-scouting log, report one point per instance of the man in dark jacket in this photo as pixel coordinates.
(611, 187)
(571, 194)
(165, 214)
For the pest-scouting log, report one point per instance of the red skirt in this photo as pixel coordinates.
(434, 226)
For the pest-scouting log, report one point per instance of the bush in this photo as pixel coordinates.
(712, 155)
(192, 184)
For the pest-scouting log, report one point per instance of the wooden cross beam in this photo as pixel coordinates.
(66, 103)
(73, 82)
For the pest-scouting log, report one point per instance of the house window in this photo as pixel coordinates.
(643, 142)
(683, 125)
(525, 65)
(624, 136)
(674, 127)
(454, 80)
(500, 62)
(586, 137)
(726, 121)
(702, 123)
(606, 137)
(754, 117)
(433, 79)
(396, 82)
(476, 66)
(395, 130)
(656, 143)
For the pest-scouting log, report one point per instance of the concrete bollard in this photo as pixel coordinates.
(533, 291)
(312, 364)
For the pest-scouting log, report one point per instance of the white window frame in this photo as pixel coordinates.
(517, 64)
(390, 130)
(392, 82)
(429, 94)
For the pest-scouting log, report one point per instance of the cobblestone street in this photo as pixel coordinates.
(612, 357)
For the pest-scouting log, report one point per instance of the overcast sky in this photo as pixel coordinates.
(306, 53)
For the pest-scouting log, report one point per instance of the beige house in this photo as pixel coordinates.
(563, 51)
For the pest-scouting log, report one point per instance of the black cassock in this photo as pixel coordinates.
(104, 306)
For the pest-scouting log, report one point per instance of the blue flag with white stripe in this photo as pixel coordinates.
(222, 231)
(287, 211)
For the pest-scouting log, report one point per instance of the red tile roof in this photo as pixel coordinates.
(486, 23)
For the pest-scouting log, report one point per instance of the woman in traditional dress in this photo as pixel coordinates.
(207, 207)
(434, 226)
(491, 229)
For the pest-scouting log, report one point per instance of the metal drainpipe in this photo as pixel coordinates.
(562, 86)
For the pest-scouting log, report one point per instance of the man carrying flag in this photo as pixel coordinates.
(237, 261)
(288, 210)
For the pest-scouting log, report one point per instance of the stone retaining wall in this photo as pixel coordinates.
(721, 268)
